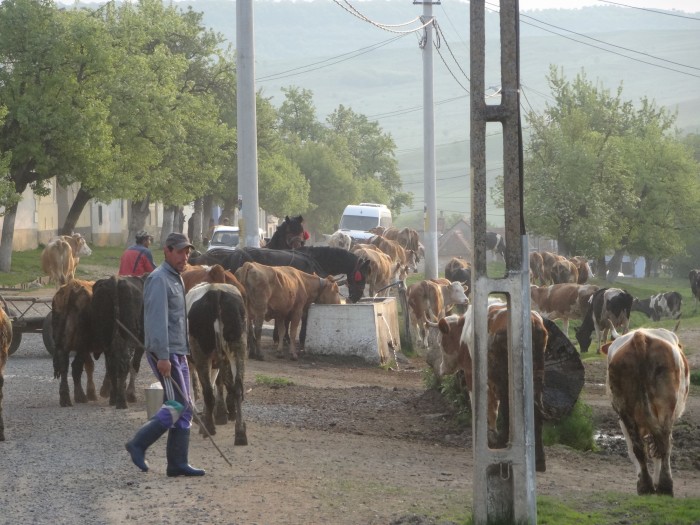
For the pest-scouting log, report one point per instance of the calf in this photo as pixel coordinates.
(428, 300)
(583, 268)
(406, 257)
(284, 294)
(456, 355)
(562, 301)
(340, 240)
(537, 269)
(665, 304)
(61, 256)
(5, 340)
(119, 298)
(382, 270)
(608, 307)
(73, 331)
(648, 381)
(218, 321)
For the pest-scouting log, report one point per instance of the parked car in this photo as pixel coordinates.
(224, 237)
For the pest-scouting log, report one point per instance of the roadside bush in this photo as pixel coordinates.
(454, 392)
(575, 431)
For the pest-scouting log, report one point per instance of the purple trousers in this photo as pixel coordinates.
(175, 411)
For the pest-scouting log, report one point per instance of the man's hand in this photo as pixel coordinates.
(163, 366)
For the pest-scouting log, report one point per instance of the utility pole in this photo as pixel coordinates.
(429, 193)
(504, 478)
(246, 124)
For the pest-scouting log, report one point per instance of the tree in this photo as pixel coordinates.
(54, 122)
(601, 175)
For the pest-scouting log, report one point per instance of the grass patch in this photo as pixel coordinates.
(451, 389)
(575, 431)
(695, 378)
(274, 382)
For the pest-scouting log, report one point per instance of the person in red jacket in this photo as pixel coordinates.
(137, 259)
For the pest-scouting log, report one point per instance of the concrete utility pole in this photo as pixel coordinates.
(430, 209)
(246, 123)
(504, 478)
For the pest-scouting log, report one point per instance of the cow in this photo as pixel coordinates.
(583, 268)
(694, 278)
(648, 382)
(664, 304)
(562, 301)
(218, 322)
(496, 243)
(194, 275)
(120, 298)
(428, 300)
(564, 271)
(340, 240)
(5, 340)
(456, 355)
(382, 270)
(608, 307)
(537, 269)
(398, 253)
(458, 269)
(72, 331)
(61, 256)
(548, 260)
(407, 238)
(284, 294)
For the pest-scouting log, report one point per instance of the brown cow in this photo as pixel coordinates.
(584, 269)
(456, 355)
(72, 331)
(564, 271)
(428, 300)
(537, 269)
(648, 381)
(194, 275)
(61, 256)
(398, 253)
(459, 269)
(5, 340)
(284, 294)
(562, 301)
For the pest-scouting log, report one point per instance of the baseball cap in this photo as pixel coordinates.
(178, 241)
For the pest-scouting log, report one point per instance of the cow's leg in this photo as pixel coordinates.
(221, 416)
(134, 365)
(77, 373)
(204, 370)
(257, 334)
(122, 372)
(538, 387)
(302, 331)
(61, 366)
(635, 449)
(106, 388)
(90, 378)
(294, 322)
(565, 326)
(2, 423)
(235, 393)
(662, 463)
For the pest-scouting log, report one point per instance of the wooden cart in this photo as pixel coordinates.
(28, 315)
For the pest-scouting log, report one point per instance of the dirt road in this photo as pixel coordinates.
(345, 444)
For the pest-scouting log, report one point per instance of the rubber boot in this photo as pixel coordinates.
(178, 447)
(144, 438)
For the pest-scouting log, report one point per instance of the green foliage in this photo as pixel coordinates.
(273, 382)
(576, 430)
(452, 390)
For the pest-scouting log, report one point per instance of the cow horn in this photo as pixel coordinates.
(431, 324)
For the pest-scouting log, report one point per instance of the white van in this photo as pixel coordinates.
(358, 219)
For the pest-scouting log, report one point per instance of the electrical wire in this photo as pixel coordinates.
(650, 10)
(385, 27)
(442, 35)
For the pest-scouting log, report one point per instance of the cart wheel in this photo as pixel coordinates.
(47, 334)
(16, 340)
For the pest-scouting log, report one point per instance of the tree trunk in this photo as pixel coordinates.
(600, 267)
(207, 205)
(81, 200)
(137, 220)
(196, 238)
(169, 215)
(8, 233)
(614, 266)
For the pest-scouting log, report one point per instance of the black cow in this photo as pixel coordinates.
(608, 305)
(119, 298)
(457, 269)
(217, 327)
(664, 304)
(496, 243)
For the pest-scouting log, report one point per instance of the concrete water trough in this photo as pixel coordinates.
(368, 329)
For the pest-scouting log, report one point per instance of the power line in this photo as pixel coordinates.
(385, 27)
(651, 10)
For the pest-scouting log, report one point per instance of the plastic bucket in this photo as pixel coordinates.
(154, 399)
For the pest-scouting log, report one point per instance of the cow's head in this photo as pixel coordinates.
(584, 338)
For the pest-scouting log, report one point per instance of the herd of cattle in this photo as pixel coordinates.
(227, 303)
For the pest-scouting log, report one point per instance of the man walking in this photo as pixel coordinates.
(165, 326)
(137, 259)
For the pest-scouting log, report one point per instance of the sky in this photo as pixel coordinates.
(689, 6)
